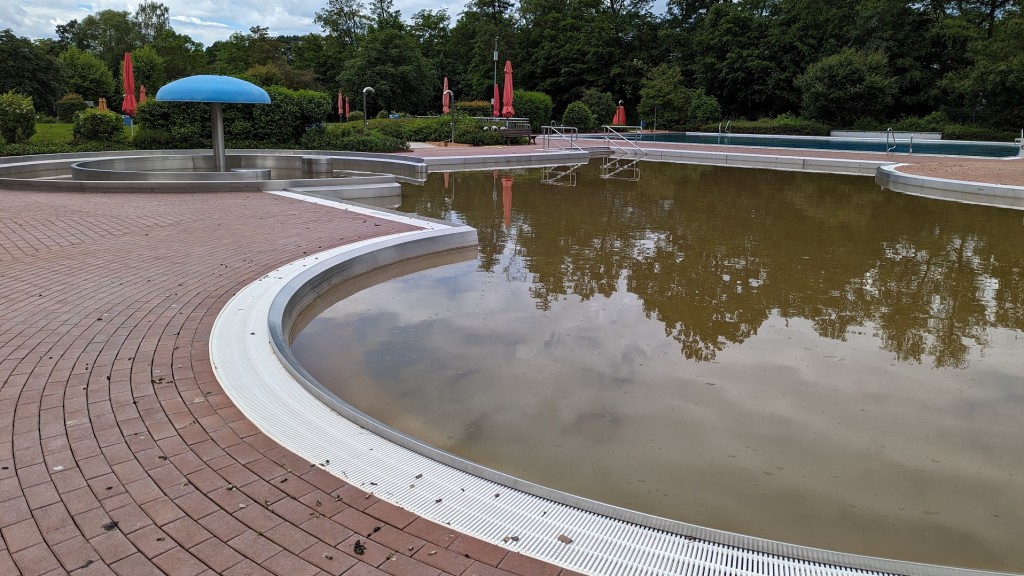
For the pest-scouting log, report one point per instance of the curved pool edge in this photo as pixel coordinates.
(997, 195)
(250, 355)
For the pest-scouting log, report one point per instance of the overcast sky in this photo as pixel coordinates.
(205, 21)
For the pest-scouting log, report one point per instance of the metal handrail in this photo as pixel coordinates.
(610, 131)
(557, 134)
(888, 148)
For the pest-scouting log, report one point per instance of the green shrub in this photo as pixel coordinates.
(59, 148)
(934, 122)
(322, 139)
(188, 123)
(17, 117)
(153, 139)
(475, 108)
(579, 115)
(355, 116)
(704, 108)
(785, 125)
(977, 133)
(99, 126)
(69, 106)
(536, 106)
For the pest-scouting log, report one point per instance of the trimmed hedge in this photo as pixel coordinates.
(322, 139)
(467, 130)
(475, 108)
(781, 125)
(537, 106)
(55, 148)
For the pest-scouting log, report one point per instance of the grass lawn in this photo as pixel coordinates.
(51, 134)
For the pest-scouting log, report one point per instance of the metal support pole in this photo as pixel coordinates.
(495, 82)
(217, 119)
(451, 97)
(365, 90)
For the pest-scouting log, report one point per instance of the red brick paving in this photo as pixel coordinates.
(120, 453)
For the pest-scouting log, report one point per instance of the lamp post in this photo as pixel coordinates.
(451, 98)
(495, 83)
(365, 90)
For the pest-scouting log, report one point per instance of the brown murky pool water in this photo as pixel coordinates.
(798, 357)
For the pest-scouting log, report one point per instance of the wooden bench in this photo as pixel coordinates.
(517, 130)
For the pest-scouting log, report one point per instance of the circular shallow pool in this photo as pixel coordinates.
(793, 356)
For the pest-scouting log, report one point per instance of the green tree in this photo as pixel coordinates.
(390, 61)
(29, 70)
(385, 16)
(108, 34)
(151, 20)
(343, 20)
(148, 69)
(664, 95)
(85, 74)
(846, 87)
(182, 55)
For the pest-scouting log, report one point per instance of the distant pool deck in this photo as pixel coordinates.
(123, 451)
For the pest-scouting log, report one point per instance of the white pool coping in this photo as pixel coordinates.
(267, 391)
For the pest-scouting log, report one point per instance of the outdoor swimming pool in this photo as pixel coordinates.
(902, 145)
(800, 357)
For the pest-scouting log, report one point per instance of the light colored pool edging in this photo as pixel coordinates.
(999, 195)
(281, 400)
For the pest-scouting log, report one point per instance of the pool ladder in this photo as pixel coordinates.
(890, 136)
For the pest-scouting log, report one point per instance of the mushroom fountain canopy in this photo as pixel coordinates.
(217, 91)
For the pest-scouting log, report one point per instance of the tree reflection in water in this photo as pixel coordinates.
(712, 253)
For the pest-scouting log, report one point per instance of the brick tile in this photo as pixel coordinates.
(136, 565)
(323, 503)
(35, 560)
(328, 558)
(479, 569)
(327, 530)
(257, 517)
(196, 505)
(519, 564)
(178, 562)
(356, 498)
(216, 554)
(290, 537)
(286, 563)
(113, 546)
(162, 510)
(442, 559)
(254, 546)
(130, 518)
(363, 570)
(432, 532)
(186, 532)
(41, 495)
(75, 553)
(478, 550)
(398, 517)
(399, 565)
(223, 525)
(247, 568)
(80, 500)
(55, 523)
(357, 521)
(151, 541)
(374, 553)
(22, 535)
(397, 540)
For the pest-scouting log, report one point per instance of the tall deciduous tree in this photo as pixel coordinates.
(846, 87)
(85, 74)
(108, 34)
(29, 70)
(151, 19)
(391, 63)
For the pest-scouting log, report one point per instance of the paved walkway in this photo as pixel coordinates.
(119, 452)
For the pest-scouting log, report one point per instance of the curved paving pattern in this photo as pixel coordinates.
(120, 453)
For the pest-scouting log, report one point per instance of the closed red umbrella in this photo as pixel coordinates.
(347, 108)
(507, 110)
(341, 105)
(445, 102)
(142, 94)
(620, 116)
(506, 201)
(128, 106)
(497, 102)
